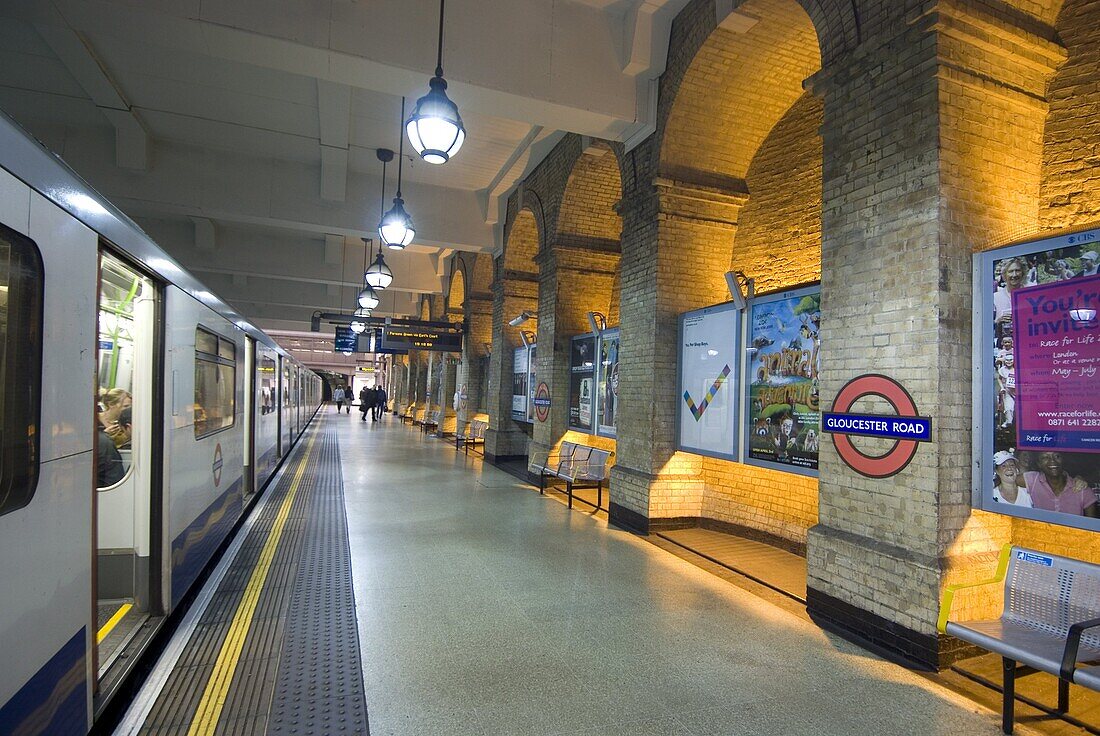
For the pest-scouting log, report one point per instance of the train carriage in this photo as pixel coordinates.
(139, 416)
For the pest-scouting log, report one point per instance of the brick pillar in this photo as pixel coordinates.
(677, 241)
(431, 381)
(479, 332)
(932, 148)
(447, 390)
(398, 380)
(572, 282)
(512, 294)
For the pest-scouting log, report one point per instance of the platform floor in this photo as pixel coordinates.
(484, 608)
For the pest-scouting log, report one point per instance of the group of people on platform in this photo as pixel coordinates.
(371, 400)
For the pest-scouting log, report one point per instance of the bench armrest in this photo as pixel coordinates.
(1073, 643)
(583, 468)
(948, 598)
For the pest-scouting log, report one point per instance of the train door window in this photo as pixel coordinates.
(267, 385)
(215, 382)
(124, 444)
(20, 367)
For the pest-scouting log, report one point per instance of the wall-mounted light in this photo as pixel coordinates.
(598, 322)
(435, 128)
(523, 317)
(1082, 315)
(527, 338)
(741, 288)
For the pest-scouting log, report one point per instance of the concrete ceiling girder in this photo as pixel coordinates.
(232, 188)
(558, 65)
(78, 57)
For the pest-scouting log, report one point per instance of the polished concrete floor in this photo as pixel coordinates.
(485, 608)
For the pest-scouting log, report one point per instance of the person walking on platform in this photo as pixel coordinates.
(380, 399)
(338, 397)
(366, 401)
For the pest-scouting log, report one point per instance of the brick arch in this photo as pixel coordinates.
(1071, 135)
(425, 308)
(587, 216)
(778, 239)
(730, 87)
(522, 243)
(456, 294)
(479, 275)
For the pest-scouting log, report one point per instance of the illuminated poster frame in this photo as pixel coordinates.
(1037, 372)
(607, 383)
(582, 382)
(520, 392)
(783, 325)
(708, 377)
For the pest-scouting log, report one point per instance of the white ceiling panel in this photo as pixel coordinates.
(231, 137)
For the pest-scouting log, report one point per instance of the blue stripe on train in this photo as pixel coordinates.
(195, 545)
(54, 700)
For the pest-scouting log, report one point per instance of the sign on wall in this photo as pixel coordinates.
(520, 363)
(345, 341)
(1038, 362)
(782, 413)
(607, 385)
(710, 340)
(531, 383)
(582, 383)
(421, 337)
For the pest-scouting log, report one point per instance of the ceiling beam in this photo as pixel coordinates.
(334, 112)
(78, 56)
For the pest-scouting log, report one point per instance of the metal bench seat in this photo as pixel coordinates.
(430, 421)
(1088, 677)
(473, 434)
(1020, 642)
(1050, 622)
(579, 466)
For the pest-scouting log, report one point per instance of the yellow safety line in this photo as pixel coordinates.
(113, 622)
(217, 687)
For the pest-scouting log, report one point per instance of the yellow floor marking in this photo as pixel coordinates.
(217, 687)
(113, 622)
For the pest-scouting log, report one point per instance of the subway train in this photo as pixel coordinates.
(139, 417)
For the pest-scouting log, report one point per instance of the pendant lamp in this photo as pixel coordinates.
(378, 274)
(435, 128)
(396, 228)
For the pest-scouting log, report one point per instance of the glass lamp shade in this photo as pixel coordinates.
(361, 312)
(435, 128)
(396, 228)
(378, 274)
(368, 298)
(358, 327)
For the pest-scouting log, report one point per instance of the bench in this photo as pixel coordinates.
(430, 421)
(1050, 622)
(409, 415)
(473, 434)
(580, 466)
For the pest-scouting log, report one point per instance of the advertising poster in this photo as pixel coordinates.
(582, 380)
(608, 383)
(531, 383)
(709, 373)
(519, 385)
(783, 352)
(1036, 312)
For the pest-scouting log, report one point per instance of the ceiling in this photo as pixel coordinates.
(242, 135)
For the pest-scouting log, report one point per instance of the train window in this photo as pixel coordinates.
(215, 382)
(267, 385)
(21, 286)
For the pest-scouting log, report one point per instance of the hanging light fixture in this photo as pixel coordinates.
(435, 128)
(368, 297)
(396, 228)
(378, 274)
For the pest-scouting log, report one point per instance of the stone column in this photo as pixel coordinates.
(398, 377)
(479, 333)
(677, 241)
(572, 282)
(932, 139)
(447, 390)
(512, 294)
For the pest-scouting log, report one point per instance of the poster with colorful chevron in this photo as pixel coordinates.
(709, 378)
(783, 353)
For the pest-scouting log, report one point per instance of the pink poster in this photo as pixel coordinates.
(1057, 356)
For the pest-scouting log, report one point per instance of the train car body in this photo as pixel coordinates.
(139, 416)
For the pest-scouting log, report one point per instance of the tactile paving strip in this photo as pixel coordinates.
(308, 568)
(319, 689)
